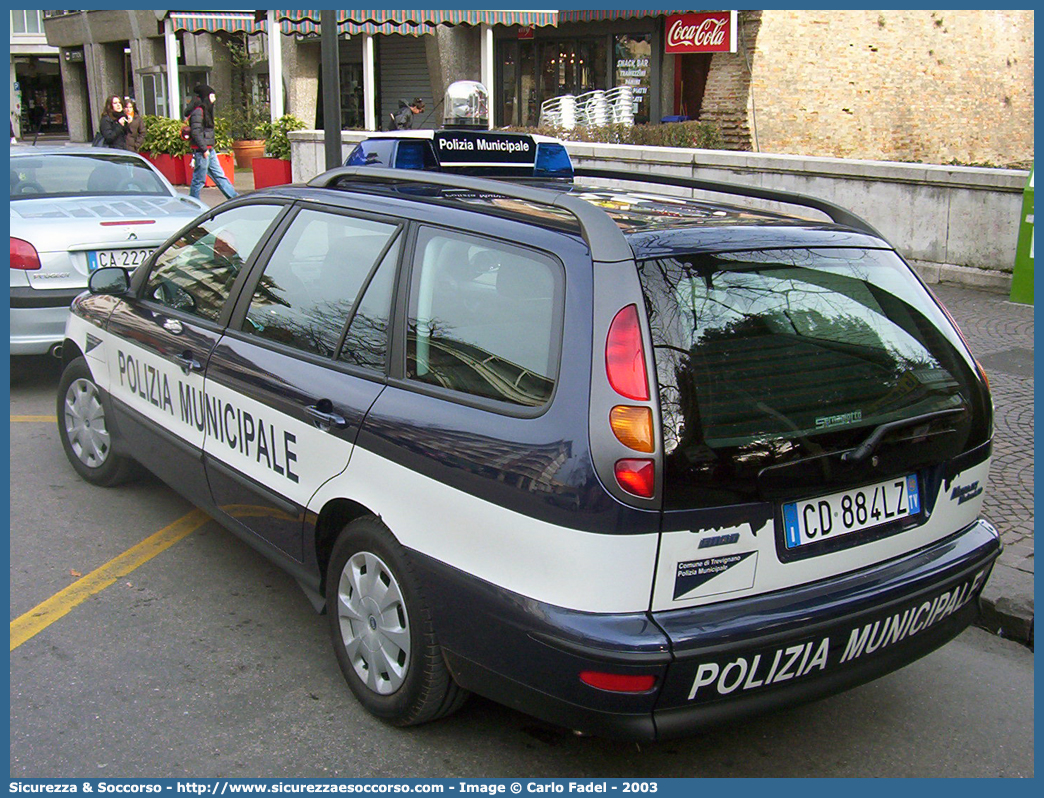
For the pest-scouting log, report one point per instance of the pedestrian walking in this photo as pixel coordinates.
(38, 114)
(135, 126)
(200, 115)
(113, 125)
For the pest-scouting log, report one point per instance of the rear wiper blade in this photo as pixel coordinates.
(864, 449)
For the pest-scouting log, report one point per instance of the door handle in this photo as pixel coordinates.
(323, 417)
(187, 362)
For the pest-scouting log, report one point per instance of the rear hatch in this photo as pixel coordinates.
(70, 232)
(820, 414)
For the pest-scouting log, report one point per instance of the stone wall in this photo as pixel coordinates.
(898, 85)
(727, 97)
(953, 223)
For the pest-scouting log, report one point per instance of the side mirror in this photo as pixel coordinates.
(111, 280)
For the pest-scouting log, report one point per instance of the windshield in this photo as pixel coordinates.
(771, 358)
(69, 175)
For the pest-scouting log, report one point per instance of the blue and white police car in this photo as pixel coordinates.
(630, 463)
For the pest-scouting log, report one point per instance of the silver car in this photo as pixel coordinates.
(74, 210)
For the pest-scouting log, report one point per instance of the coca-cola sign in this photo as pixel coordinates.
(707, 32)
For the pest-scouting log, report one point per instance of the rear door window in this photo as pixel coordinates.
(773, 357)
(484, 318)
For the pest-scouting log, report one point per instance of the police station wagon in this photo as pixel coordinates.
(630, 463)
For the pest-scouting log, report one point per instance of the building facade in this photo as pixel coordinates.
(888, 85)
(37, 102)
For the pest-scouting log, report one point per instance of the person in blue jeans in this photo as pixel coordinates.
(200, 115)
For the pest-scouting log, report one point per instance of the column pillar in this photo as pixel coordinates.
(369, 83)
(486, 65)
(275, 67)
(170, 42)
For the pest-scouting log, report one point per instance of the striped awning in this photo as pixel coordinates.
(410, 22)
(577, 15)
(214, 21)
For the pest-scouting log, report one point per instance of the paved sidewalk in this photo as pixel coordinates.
(1001, 336)
(243, 181)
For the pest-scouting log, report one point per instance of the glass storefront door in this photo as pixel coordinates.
(535, 70)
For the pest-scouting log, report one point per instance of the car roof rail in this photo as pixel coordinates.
(603, 236)
(836, 213)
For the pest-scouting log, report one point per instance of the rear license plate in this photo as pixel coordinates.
(124, 258)
(828, 517)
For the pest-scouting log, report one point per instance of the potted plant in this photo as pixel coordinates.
(164, 147)
(245, 112)
(247, 141)
(274, 168)
(223, 148)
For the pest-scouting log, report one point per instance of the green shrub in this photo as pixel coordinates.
(222, 135)
(277, 144)
(700, 135)
(244, 123)
(163, 136)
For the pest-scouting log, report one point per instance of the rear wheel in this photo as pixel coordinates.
(85, 430)
(381, 629)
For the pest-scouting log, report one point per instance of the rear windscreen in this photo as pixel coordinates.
(82, 174)
(780, 357)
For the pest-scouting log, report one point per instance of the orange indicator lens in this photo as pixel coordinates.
(633, 427)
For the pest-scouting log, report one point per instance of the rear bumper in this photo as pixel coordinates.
(712, 664)
(38, 318)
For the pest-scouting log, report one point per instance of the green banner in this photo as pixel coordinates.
(1022, 277)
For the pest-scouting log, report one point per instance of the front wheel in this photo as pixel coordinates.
(85, 431)
(381, 629)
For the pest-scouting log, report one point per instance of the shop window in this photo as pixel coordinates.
(632, 53)
(154, 94)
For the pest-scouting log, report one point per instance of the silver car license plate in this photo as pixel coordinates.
(124, 258)
(827, 517)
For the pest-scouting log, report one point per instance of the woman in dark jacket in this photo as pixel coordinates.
(113, 124)
(200, 115)
(135, 126)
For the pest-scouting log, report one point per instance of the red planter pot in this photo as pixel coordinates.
(170, 167)
(228, 166)
(271, 172)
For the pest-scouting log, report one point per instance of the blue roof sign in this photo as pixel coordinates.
(472, 152)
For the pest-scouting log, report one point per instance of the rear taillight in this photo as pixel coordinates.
(625, 356)
(631, 425)
(636, 476)
(619, 682)
(24, 255)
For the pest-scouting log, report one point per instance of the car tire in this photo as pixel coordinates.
(381, 629)
(85, 432)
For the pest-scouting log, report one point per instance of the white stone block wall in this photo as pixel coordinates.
(954, 223)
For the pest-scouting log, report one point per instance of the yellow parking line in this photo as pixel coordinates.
(49, 419)
(43, 615)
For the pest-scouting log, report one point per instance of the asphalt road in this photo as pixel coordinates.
(207, 661)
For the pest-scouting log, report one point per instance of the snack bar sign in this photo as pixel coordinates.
(707, 32)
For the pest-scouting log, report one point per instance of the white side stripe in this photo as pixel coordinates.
(553, 564)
